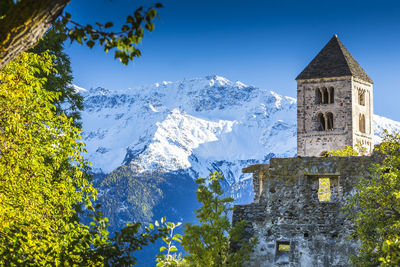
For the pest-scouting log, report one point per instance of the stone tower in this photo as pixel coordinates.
(334, 103)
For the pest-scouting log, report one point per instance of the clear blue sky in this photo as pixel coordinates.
(259, 42)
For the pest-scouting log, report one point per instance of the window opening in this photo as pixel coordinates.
(361, 97)
(321, 122)
(326, 96)
(329, 118)
(318, 96)
(362, 123)
(282, 251)
(324, 190)
(331, 95)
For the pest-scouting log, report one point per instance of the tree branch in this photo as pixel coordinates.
(24, 24)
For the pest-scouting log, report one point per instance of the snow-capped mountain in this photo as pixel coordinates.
(196, 125)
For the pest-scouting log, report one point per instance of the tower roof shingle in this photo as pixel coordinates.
(332, 61)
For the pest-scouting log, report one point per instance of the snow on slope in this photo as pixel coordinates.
(195, 124)
(382, 123)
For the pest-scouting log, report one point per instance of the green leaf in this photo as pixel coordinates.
(152, 13)
(125, 28)
(176, 239)
(79, 39)
(90, 43)
(149, 26)
(108, 25)
(130, 19)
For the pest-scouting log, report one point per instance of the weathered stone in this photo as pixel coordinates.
(317, 232)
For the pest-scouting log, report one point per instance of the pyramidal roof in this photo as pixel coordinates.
(332, 61)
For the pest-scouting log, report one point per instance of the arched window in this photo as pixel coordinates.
(331, 95)
(361, 123)
(326, 95)
(329, 121)
(361, 97)
(318, 96)
(321, 122)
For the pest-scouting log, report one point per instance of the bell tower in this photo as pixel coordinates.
(334, 103)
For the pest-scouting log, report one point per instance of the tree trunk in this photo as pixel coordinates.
(24, 24)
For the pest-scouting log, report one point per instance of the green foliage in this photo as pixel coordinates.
(60, 79)
(125, 40)
(41, 168)
(170, 258)
(375, 208)
(391, 253)
(208, 244)
(43, 181)
(347, 151)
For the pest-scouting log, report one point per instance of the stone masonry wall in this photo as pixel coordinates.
(310, 141)
(287, 212)
(366, 139)
(345, 109)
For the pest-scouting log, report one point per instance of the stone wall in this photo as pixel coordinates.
(345, 109)
(287, 213)
(366, 139)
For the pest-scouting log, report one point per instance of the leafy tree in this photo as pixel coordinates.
(38, 190)
(170, 258)
(347, 151)
(208, 244)
(375, 208)
(60, 80)
(23, 22)
(43, 181)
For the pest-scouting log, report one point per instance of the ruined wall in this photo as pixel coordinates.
(289, 214)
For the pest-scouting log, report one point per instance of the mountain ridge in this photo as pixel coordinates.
(213, 104)
(191, 125)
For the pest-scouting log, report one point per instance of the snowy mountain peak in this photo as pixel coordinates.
(169, 124)
(196, 125)
(78, 90)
